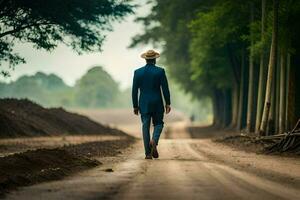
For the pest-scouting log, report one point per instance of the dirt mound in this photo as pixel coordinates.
(25, 118)
(40, 165)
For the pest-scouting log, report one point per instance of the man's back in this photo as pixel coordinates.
(149, 79)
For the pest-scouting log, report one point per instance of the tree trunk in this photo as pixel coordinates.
(262, 72)
(227, 107)
(221, 106)
(272, 63)
(218, 108)
(287, 128)
(235, 89)
(294, 90)
(282, 100)
(271, 117)
(250, 106)
(242, 97)
(235, 106)
(277, 94)
(215, 111)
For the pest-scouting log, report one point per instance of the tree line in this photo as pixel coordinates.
(95, 89)
(243, 55)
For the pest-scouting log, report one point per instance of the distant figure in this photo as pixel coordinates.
(192, 118)
(149, 80)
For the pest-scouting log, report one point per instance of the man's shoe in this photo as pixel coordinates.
(148, 157)
(154, 151)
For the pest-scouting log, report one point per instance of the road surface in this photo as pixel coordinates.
(187, 169)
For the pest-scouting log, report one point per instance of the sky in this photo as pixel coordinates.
(116, 58)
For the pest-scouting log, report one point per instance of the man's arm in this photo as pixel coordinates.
(135, 94)
(166, 91)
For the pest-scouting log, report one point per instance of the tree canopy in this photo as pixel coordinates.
(75, 23)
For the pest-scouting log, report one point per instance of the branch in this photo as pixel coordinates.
(22, 28)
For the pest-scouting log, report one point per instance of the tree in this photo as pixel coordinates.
(96, 89)
(45, 24)
(242, 111)
(211, 39)
(251, 107)
(262, 69)
(272, 63)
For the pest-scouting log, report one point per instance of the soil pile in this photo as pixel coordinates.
(25, 118)
(40, 165)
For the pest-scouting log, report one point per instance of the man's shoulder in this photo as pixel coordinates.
(139, 69)
(160, 70)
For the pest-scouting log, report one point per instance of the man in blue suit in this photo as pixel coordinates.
(151, 82)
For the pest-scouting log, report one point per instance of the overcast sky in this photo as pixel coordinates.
(116, 58)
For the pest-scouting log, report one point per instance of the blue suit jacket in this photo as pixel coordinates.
(149, 80)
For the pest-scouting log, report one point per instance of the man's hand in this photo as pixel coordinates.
(168, 109)
(136, 111)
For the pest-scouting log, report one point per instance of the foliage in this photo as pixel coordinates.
(96, 89)
(217, 36)
(45, 24)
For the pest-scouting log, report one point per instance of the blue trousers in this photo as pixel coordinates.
(157, 120)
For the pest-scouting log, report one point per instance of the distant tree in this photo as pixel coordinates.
(28, 87)
(96, 89)
(47, 90)
(49, 82)
(46, 23)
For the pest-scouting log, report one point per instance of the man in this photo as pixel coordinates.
(150, 80)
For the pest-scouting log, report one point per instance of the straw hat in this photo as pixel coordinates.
(150, 54)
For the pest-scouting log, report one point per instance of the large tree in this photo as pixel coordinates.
(46, 23)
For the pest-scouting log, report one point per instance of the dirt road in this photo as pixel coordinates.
(187, 169)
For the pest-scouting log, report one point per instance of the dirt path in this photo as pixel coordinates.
(187, 169)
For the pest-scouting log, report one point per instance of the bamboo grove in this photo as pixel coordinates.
(243, 55)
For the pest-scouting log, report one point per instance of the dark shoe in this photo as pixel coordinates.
(154, 151)
(148, 157)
